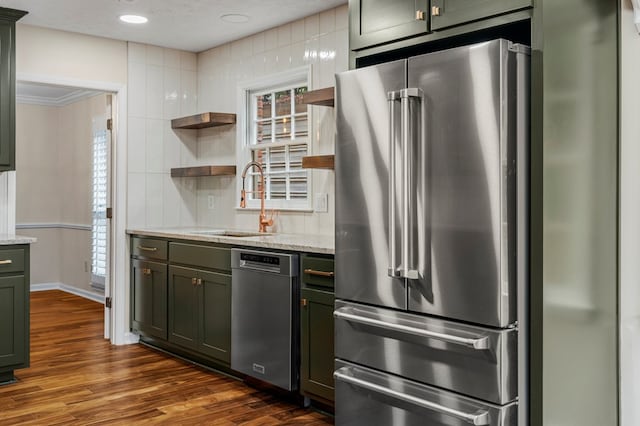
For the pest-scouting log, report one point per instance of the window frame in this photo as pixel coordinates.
(271, 83)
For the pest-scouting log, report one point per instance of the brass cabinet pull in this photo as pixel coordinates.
(435, 10)
(148, 248)
(325, 274)
(419, 15)
(194, 281)
(6, 262)
(199, 281)
(304, 302)
(146, 271)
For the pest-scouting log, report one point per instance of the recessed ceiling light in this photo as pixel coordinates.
(234, 18)
(133, 19)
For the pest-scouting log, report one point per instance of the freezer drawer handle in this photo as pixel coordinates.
(480, 343)
(482, 418)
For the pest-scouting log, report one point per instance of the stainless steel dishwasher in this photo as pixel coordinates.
(265, 316)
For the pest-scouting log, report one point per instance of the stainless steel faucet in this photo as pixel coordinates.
(263, 221)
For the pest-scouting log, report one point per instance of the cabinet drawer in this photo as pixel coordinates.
(149, 248)
(317, 271)
(11, 260)
(202, 256)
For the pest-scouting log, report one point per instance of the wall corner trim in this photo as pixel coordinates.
(96, 297)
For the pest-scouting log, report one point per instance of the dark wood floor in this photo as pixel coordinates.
(77, 377)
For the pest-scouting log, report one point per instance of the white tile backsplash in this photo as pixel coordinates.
(165, 83)
(171, 58)
(136, 145)
(154, 93)
(172, 92)
(155, 55)
(154, 146)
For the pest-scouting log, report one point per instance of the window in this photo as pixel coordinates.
(99, 208)
(276, 135)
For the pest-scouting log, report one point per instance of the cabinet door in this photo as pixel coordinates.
(13, 310)
(374, 22)
(7, 96)
(446, 13)
(215, 315)
(316, 334)
(149, 298)
(183, 304)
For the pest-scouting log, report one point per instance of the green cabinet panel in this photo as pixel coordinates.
(215, 315)
(12, 324)
(200, 311)
(447, 13)
(149, 298)
(8, 18)
(316, 336)
(14, 310)
(373, 22)
(149, 248)
(317, 271)
(202, 256)
(183, 302)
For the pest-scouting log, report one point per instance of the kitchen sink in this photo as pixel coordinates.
(230, 233)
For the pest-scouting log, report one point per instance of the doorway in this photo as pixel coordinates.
(63, 186)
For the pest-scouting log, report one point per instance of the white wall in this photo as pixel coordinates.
(53, 179)
(629, 219)
(157, 74)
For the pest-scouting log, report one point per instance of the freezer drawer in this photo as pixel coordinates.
(377, 398)
(474, 361)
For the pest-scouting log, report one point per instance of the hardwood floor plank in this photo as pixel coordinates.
(77, 378)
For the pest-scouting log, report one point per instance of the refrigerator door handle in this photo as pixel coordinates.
(409, 148)
(480, 418)
(394, 270)
(478, 343)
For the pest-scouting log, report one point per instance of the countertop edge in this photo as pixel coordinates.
(8, 240)
(319, 244)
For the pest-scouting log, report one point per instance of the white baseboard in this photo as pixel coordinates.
(69, 289)
(130, 338)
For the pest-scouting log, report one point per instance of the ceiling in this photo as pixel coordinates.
(191, 25)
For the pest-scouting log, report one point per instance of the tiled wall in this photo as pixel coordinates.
(162, 85)
(165, 84)
(320, 40)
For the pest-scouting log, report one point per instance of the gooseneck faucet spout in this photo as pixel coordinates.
(263, 221)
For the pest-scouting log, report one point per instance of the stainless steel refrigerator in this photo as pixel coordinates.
(432, 189)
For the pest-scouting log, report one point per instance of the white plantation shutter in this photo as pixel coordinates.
(99, 209)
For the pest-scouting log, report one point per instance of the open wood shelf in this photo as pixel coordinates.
(323, 97)
(318, 162)
(201, 121)
(204, 171)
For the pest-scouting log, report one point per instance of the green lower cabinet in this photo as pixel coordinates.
(316, 335)
(183, 302)
(12, 324)
(215, 315)
(149, 298)
(200, 311)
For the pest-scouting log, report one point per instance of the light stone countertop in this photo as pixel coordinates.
(323, 244)
(10, 239)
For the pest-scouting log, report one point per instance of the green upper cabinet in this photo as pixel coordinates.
(373, 22)
(447, 13)
(8, 18)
